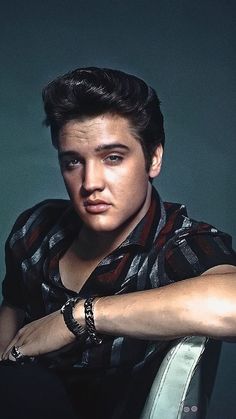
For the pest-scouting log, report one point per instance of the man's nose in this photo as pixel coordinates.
(93, 177)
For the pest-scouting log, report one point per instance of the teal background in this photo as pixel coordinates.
(184, 48)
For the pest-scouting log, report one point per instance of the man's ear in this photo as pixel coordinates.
(155, 167)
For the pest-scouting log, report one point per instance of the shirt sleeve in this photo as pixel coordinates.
(192, 253)
(13, 286)
(22, 285)
(13, 289)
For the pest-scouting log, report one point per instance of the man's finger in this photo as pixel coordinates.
(15, 342)
(16, 353)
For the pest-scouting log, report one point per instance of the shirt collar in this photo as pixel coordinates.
(148, 228)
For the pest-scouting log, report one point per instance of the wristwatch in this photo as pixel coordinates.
(71, 323)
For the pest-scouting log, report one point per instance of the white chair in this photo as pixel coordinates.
(184, 381)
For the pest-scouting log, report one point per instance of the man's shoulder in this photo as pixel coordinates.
(39, 218)
(180, 226)
(177, 217)
(50, 208)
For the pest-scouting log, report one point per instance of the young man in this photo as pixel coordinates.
(114, 253)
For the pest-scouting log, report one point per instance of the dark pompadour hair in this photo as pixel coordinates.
(89, 92)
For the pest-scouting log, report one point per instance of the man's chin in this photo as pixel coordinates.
(100, 228)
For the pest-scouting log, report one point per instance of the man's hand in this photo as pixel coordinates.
(41, 336)
(11, 319)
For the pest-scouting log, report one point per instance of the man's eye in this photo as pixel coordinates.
(73, 162)
(69, 164)
(114, 159)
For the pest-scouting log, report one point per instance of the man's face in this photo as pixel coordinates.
(103, 167)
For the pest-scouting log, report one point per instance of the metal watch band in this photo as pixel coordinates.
(71, 323)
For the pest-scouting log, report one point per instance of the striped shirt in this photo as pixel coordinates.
(166, 246)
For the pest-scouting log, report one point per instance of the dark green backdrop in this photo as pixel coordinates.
(184, 48)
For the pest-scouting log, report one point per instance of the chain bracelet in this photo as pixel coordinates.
(89, 321)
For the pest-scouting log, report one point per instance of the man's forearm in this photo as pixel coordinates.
(200, 306)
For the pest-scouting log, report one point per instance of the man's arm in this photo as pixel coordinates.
(205, 305)
(11, 319)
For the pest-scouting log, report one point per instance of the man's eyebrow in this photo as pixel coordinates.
(62, 154)
(111, 146)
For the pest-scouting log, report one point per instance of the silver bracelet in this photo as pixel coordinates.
(89, 321)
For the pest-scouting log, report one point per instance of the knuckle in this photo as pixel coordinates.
(20, 333)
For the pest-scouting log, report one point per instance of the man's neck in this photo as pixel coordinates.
(94, 245)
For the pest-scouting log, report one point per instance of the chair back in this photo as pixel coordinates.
(183, 384)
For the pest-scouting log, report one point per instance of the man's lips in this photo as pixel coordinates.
(96, 206)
